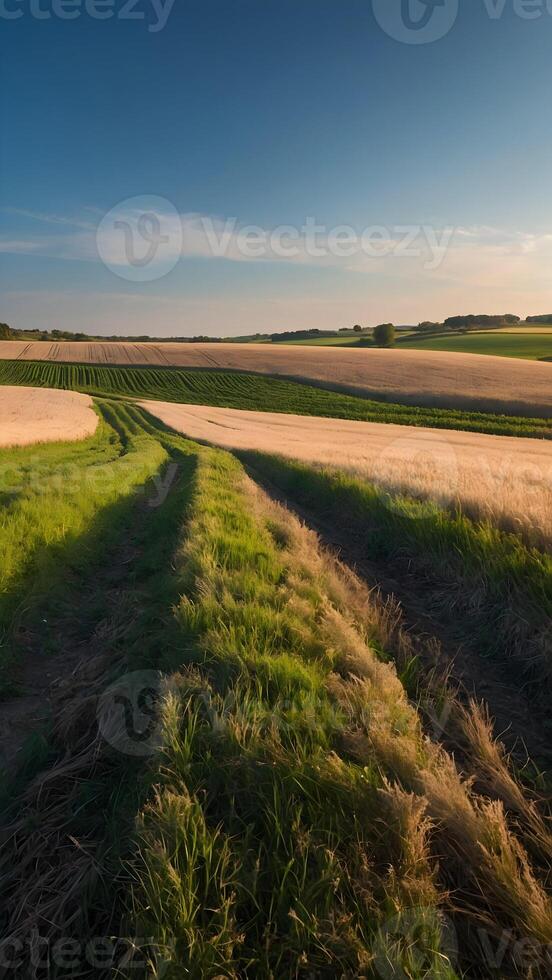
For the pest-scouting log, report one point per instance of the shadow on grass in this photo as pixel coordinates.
(493, 590)
(60, 595)
(111, 602)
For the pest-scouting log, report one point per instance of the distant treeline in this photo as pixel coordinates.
(482, 320)
(471, 321)
(7, 333)
(301, 335)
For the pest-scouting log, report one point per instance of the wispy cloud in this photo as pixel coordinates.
(51, 219)
(479, 256)
(126, 232)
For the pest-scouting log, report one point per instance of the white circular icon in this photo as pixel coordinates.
(141, 238)
(416, 21)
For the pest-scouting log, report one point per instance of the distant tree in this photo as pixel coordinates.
(384, 335)
(544, 318)
(357, 328)
(5, 331)
(427, 326)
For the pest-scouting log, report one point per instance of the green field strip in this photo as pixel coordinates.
(533, 347)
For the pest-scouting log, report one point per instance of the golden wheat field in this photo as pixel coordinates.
(29, 415)
(506, 479)
(473, 381)
(524, 331)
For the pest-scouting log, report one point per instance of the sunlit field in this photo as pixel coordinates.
(528, 343)
(425, 377)
(277, 799)
(229, 389)
(275, 490)
(505, 480)
(44, 415)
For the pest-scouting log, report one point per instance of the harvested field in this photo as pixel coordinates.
(508, 480)
(29, 415)
(420, 377)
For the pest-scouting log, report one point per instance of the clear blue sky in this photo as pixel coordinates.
(268, 112)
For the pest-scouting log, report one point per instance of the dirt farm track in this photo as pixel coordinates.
(470, 381)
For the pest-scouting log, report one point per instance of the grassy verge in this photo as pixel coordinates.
(484, 579)
(262, 853)
(293, 818)
(61, 504)
(69, 807)
(293, 827)
(248, 391)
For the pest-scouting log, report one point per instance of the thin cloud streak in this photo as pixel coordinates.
(483, 269)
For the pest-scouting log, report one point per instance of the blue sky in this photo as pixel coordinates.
(268, 113)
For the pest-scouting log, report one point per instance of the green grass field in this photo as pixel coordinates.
(523, 342)
(272, 805)
(59, 504)
(254, 392)
(532, 346)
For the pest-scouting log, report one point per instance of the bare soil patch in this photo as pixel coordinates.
(419, 377)
(29, 415)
